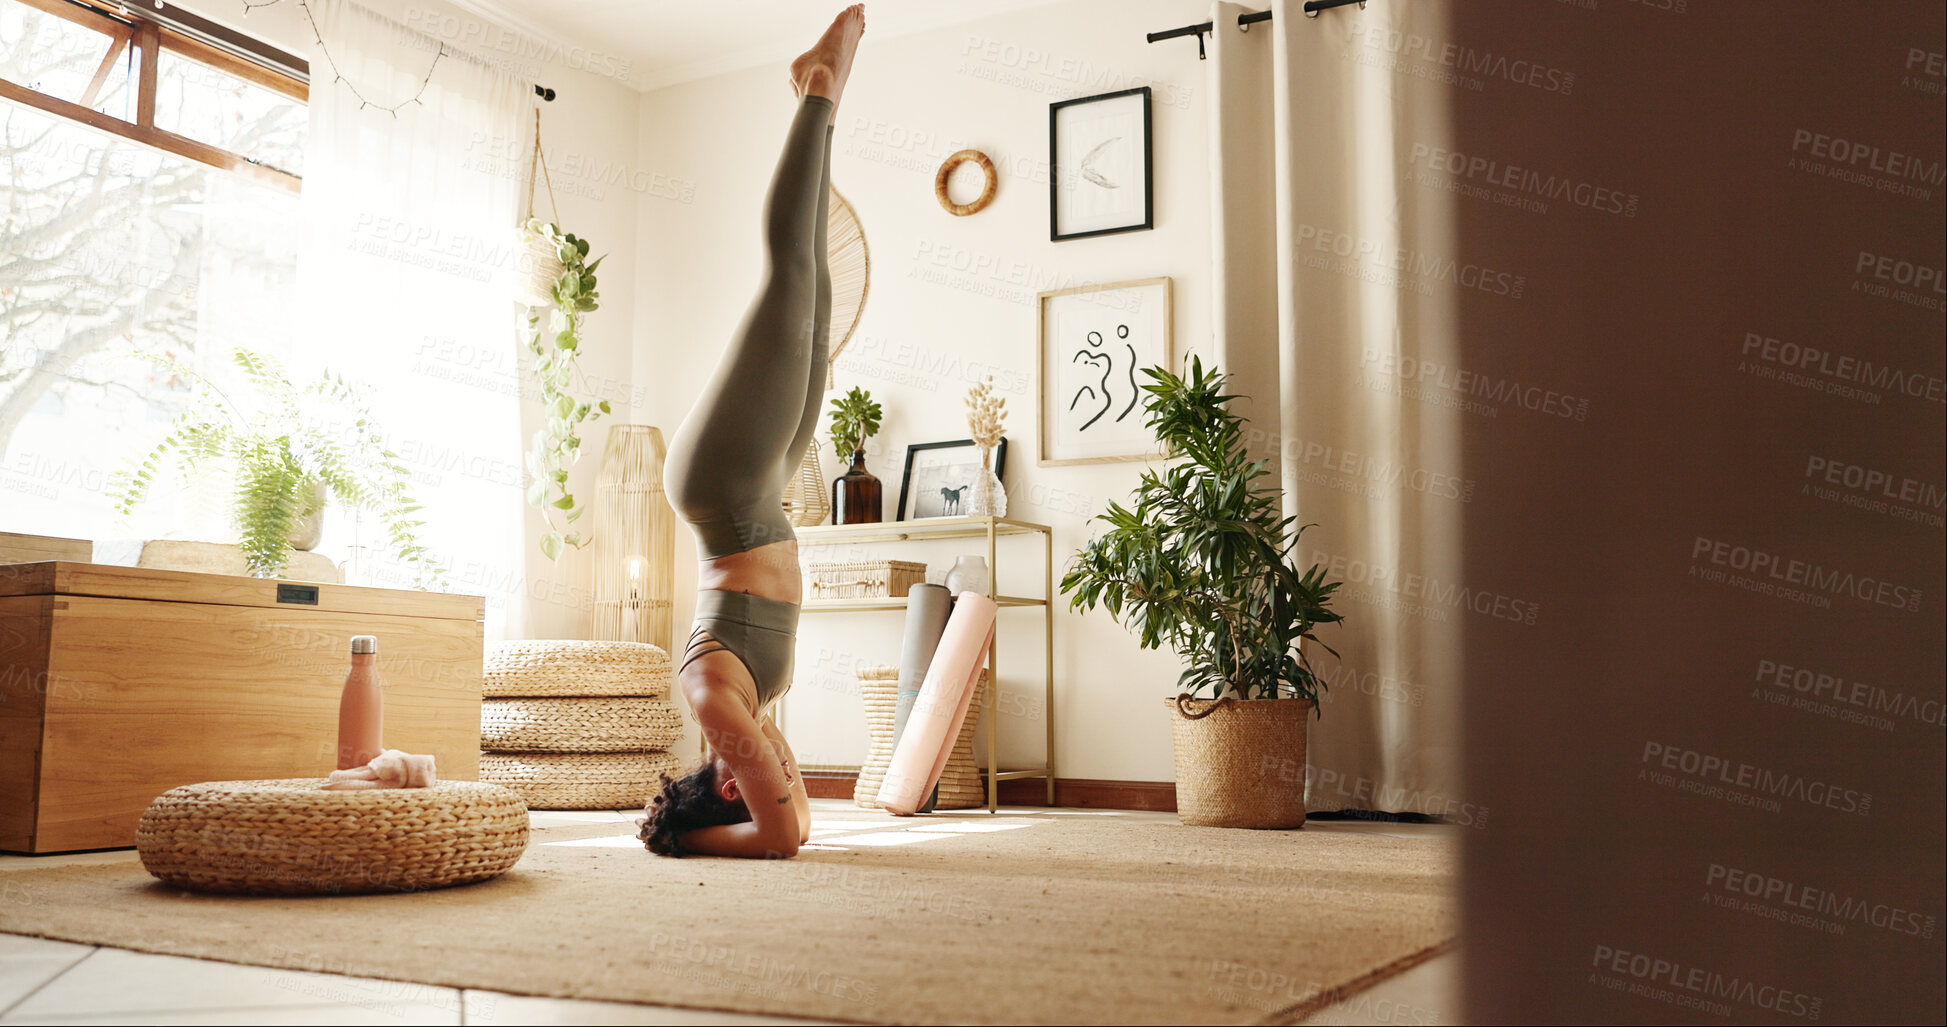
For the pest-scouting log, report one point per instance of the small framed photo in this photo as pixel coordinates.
(939, 477)
(1095, 339)
(1099, 164)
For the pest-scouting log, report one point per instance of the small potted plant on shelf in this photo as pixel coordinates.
(293, 449)
(856, 494)
(1204, 561)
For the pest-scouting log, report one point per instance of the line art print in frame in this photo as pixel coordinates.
(1095, 339)
(1100, 165)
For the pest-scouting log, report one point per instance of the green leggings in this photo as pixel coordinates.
(741, 444)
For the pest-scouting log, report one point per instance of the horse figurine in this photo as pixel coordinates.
(950, 498)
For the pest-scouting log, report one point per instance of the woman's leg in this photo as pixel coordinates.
(821, 326)
(729, 461)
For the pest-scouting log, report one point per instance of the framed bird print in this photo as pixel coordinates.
(1095, 339)
(1099, 164)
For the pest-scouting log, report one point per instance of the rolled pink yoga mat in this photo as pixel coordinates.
(944, 698)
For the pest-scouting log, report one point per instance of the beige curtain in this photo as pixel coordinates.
(1308, 218)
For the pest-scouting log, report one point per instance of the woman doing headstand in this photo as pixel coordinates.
(727, 468)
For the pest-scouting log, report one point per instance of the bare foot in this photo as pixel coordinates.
(823, 69)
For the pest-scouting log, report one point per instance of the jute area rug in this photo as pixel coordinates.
(1054, 917)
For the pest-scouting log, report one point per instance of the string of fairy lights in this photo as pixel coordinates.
(338, 77)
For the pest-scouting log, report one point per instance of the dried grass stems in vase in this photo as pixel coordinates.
(986, 420)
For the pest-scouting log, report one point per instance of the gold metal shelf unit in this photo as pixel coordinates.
(992, 529)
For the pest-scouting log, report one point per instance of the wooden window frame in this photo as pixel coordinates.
(150, 40)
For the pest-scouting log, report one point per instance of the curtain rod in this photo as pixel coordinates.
(1312, 7)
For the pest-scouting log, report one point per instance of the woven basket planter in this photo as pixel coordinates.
(864, 579)
(1242, 765)
(582, 780)
(291, 837)
(579, 725)
(577, 668)
(961, 783)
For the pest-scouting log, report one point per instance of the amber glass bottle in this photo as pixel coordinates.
(856, 494)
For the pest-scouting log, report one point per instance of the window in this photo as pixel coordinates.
(148, 208)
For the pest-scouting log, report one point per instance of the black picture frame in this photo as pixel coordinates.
(906, 495)
(1055, 171)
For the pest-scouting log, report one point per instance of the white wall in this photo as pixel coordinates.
(951, 299)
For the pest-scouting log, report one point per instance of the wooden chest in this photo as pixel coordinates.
(120, 683)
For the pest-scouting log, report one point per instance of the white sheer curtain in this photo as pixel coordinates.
(413, 185)
(1308, 220)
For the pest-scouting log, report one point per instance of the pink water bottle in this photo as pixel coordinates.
(361, 709)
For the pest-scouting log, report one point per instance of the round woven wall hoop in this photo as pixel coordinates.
(291, 837)
(579, 725)
(574, 667)
(986, 196)
(581, 781)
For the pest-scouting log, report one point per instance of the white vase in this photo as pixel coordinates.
(988, 498)
(968, 574)
(309, 529)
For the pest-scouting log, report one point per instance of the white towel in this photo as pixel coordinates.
(389, 769)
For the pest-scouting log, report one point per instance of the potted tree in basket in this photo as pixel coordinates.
(1204, 561)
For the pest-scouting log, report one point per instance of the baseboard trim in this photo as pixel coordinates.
(830, 784)
(1070, 792)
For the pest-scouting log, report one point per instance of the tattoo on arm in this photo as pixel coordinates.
(783, 799)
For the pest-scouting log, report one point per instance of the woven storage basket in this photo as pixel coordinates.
(1243, 765)
(865, 579)
(573, 667)
(291, 837)
(581, 780)
(961, 784)
(579, 725)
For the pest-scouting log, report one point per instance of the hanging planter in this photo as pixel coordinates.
(562, 279)
(541, 266)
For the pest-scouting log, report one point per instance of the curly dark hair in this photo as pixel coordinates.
(685, 804)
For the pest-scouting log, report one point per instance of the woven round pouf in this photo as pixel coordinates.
(292, 837)
(581, 781)
(573, 667)
(579, 725)
(961, 783)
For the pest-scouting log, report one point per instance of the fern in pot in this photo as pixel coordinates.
(1204, 562)
(293, 449)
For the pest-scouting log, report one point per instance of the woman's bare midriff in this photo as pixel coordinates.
(767, 571)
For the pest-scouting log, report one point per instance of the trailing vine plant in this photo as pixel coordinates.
(553, 339)
(292, 449)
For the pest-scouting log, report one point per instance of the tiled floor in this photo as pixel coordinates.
(53, 982)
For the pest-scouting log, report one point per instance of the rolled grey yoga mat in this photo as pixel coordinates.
(927, 609)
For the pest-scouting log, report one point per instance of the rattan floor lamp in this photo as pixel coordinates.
(805, 501)
(634, 577)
